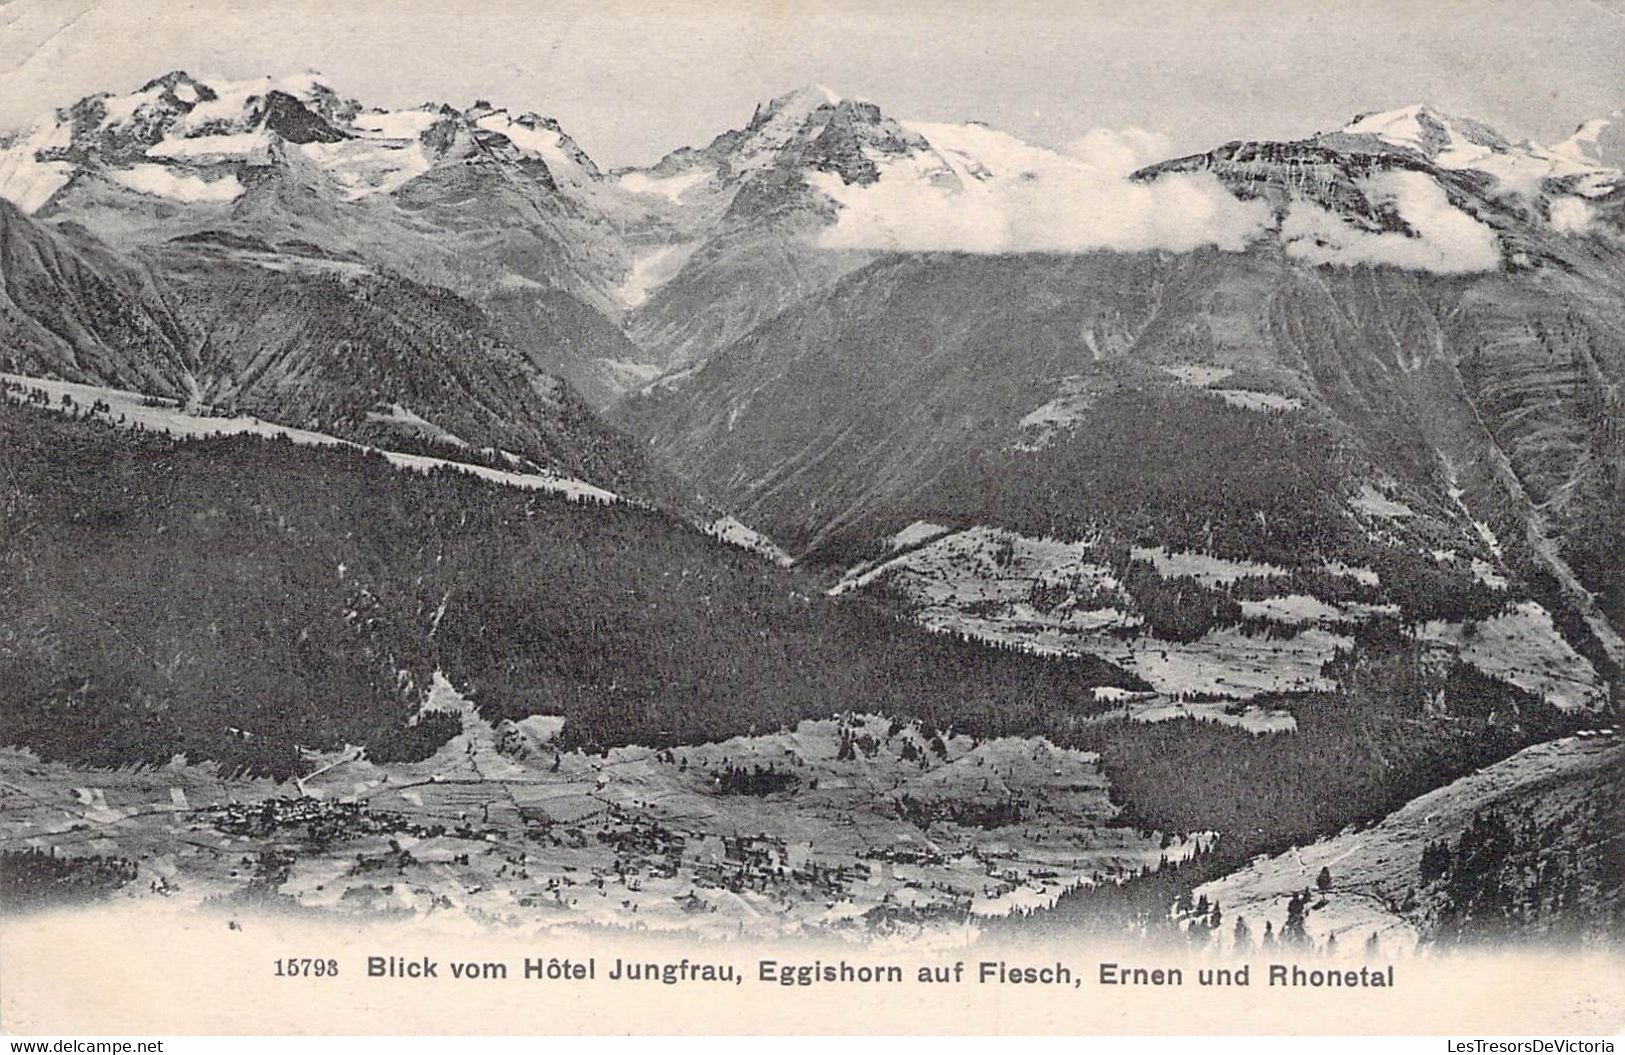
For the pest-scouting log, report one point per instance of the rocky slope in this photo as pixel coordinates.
(296, 335)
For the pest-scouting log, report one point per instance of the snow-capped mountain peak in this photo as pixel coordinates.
(1460, 143)
(541, 137)
(1425, 129)
(795, 106)
(234, 105)
(812, 127)
(1599, 141)
(184, 138)
(776, 125)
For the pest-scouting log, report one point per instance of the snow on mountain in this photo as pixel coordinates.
(397, 124)
(891, 184)
(652, 270)
(811, 129)
(1420, 190)
(183, 123)
(694, 252)
(227, 146)
(235, 105)
(1442, 238)
(971, 188)
(974, 154)
(26, 179)
(385, 152)
(672, 188)
(173, 138)
(390, 148)
(1459, 143)
(815, 184)
(777, 124)
(1597, 142)
(848, 176)
(543, 138)
(138, 410)
(164, 182)
(364, 167)
(886, 185)
(1421, 128)
(918, 186)
(502, 207)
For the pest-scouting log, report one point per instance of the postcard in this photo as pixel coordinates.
(547, 516)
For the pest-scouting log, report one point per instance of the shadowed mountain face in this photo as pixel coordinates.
(74, 308)
(980, 374)
(300, 338)
(1250, 405)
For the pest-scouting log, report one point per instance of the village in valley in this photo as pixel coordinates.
(856, 826)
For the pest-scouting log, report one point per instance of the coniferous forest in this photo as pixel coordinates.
(240, 600)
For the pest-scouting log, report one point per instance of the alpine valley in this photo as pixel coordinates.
(850, 526)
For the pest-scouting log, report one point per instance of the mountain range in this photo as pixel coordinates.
(1226, 464)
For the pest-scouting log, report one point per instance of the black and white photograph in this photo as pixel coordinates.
(721, 503)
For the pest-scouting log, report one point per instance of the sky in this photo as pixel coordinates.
(632, 79)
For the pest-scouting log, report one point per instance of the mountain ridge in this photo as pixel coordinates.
(1269, 488)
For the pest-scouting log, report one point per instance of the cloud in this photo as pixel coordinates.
(1572, 215)
(1119, 152)
(981, 191)
(1447, 240)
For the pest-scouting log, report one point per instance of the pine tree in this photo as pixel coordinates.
(1293, 931)
(1435, 861)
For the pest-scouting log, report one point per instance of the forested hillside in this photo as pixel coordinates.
(242, 599)
(239, 599)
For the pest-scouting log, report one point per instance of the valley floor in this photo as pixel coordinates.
(847, 827)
